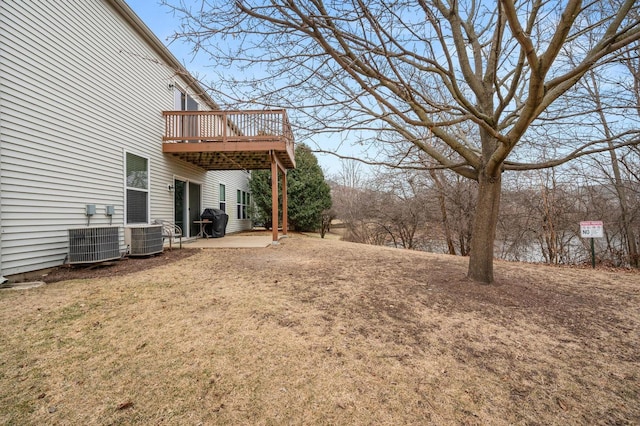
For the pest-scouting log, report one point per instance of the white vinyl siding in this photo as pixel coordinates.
(234, 181)
(79, 88)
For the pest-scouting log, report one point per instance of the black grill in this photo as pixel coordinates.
(218, 225)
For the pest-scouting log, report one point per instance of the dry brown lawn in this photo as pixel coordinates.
(323, 332)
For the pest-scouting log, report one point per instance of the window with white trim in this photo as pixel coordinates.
(137, 185)
(223, 198)
(243, 200)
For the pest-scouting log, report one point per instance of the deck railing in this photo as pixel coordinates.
(228, 126)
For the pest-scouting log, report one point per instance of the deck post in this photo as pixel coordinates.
(285, 221)
(274, 198)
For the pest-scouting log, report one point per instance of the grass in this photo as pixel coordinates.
(323, 332)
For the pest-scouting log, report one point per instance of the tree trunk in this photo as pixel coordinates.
(484, 228)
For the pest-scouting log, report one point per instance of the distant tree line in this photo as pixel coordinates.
(538, 221)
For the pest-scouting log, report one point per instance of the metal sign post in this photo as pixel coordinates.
(592, 229)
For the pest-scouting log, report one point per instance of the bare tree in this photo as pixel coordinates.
(436, 176)
(387, 209)
(557, 220)
(404, 208)
(326, 218)
(631, 59)
(420, 70)
(460, 200)
(353, 202)
(517, 222)
(593, 87)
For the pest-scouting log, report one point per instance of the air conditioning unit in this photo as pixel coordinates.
(92, 245)
(143, 240)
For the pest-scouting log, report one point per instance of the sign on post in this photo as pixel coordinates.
(592, 229)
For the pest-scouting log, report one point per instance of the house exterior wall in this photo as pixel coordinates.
(81, 87)
(233, 181)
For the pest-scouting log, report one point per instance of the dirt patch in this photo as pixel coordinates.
(323, 332)
(124, 266)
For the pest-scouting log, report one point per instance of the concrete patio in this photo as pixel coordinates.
(242, 240)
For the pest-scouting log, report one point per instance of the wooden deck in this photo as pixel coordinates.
(229, 140)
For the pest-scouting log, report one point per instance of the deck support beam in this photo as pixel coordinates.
(285, 221)
(276, 166)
